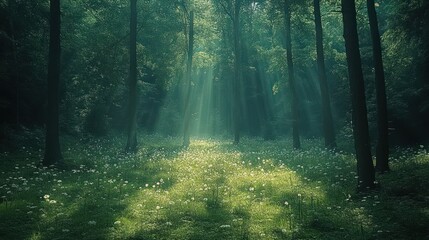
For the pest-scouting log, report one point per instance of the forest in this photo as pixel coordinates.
(214, 119)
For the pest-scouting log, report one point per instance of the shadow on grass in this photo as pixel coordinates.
(375, 215)
(403, 212)
(214, 190)
(201, 222)
(101, 193)
(86, 197)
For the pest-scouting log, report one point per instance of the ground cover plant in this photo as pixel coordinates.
(285, 119)
(212, 190)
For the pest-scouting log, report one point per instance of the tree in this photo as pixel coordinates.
(237, 72)
(365, 168)
(187, 114)
(232, 9)
(52, 143)
(132, 100)
(382, 151)
(328, 126)
(294, 103)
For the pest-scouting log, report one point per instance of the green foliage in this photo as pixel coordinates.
(97, 121)
(405, 41)
(15, 140)
(97, 50)
(94, 64)
(212, 190)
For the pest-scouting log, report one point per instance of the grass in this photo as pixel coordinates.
(213, 190)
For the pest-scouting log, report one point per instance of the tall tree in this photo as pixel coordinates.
(187, 116)
(382, 151)
(132, 100)
(365, 167)
(294, 103)
(237, 72)
(52, 142)
(328, 126)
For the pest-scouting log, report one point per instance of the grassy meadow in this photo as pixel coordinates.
(213, 190)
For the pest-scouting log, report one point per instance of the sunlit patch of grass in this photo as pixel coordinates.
(212, 190)
(256, 194)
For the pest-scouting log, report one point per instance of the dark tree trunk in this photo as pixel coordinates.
(187, 115)
(365, 167)
(328, 125)
(294, 104)
(382, 152)
(132, 100)
(237, 73)
(52, 141)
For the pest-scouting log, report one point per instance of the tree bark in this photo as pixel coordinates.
(294, 103)
(187, 115)
(52, 143)
(132, 100)
(382, 150)
(237, 73)
(328, 125)
(365, 167)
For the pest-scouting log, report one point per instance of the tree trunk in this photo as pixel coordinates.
(365, 167)
(52, 142)
(187, 115)
(382, 152)
(132, 100)
(237, 73)
(328, 125)
(294, 104)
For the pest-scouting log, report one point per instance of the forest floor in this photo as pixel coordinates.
(213, 190)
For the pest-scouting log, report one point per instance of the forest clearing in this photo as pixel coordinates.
(213, 190)
(214, 119)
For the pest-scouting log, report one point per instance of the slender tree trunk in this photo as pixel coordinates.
(294, 104)
(382, 152)
(132, 100)
(237, 73)
(328, 125)
(187, 115)
(52, 142)
(365, 167)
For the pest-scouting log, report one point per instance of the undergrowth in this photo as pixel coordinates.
(212, 190)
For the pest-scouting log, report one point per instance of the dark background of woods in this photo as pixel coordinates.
(95, 68)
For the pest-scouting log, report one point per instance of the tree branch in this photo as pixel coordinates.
(226, 10)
